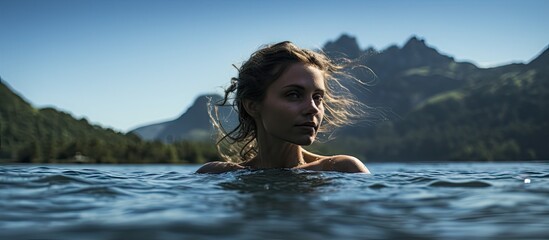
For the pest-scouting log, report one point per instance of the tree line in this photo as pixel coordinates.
(31, 135)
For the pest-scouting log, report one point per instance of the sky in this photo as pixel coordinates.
(122, 64)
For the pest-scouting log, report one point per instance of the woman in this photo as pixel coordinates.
(284, 97)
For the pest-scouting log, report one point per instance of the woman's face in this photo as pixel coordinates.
(293, 108)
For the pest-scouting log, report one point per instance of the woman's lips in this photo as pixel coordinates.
(309, 125)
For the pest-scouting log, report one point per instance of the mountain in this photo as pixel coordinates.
(345, 46)
(193, 124)
(500, 118)
(46, 135)
(401, 78)
(424, 105)
(464, 113)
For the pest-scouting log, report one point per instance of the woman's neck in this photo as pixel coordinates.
(277, 154)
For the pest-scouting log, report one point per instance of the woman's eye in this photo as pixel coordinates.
(293, 95)
(318, 97)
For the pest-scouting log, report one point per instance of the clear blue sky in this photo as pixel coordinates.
(126, 63)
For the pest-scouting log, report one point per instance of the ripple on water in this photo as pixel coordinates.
(60, 180)
(378, 186)
(465, 184)
(276, 181)
(398, 201)
(96, 191)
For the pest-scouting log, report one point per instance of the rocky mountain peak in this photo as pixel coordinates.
(415, 52)
(415, 43)
(345, 46)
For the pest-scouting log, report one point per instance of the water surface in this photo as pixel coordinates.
(422, 201)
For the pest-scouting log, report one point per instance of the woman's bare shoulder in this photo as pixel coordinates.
(338, 163)
(344, 163)
(219, 167)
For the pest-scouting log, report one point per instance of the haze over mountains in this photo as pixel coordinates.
(193, 124)
(423, 106)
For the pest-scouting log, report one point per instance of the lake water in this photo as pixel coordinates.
(399, 201)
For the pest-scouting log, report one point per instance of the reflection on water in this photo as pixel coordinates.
(276, 194)
(276, 181)
(402, 201)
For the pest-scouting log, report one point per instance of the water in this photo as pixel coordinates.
(400, 201)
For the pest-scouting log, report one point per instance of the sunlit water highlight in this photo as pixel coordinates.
(425, 201)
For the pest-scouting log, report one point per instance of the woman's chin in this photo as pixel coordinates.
(305, 141)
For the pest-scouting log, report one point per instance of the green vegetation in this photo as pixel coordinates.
(30, 135)
(489, 119)
(439, 109)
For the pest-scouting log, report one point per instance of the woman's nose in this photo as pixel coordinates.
(312, 107)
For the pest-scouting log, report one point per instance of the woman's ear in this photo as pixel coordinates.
(251, 107)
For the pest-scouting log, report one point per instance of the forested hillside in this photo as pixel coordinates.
(28, 134)
(444, 110)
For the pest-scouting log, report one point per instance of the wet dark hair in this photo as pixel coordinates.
(254, 77)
